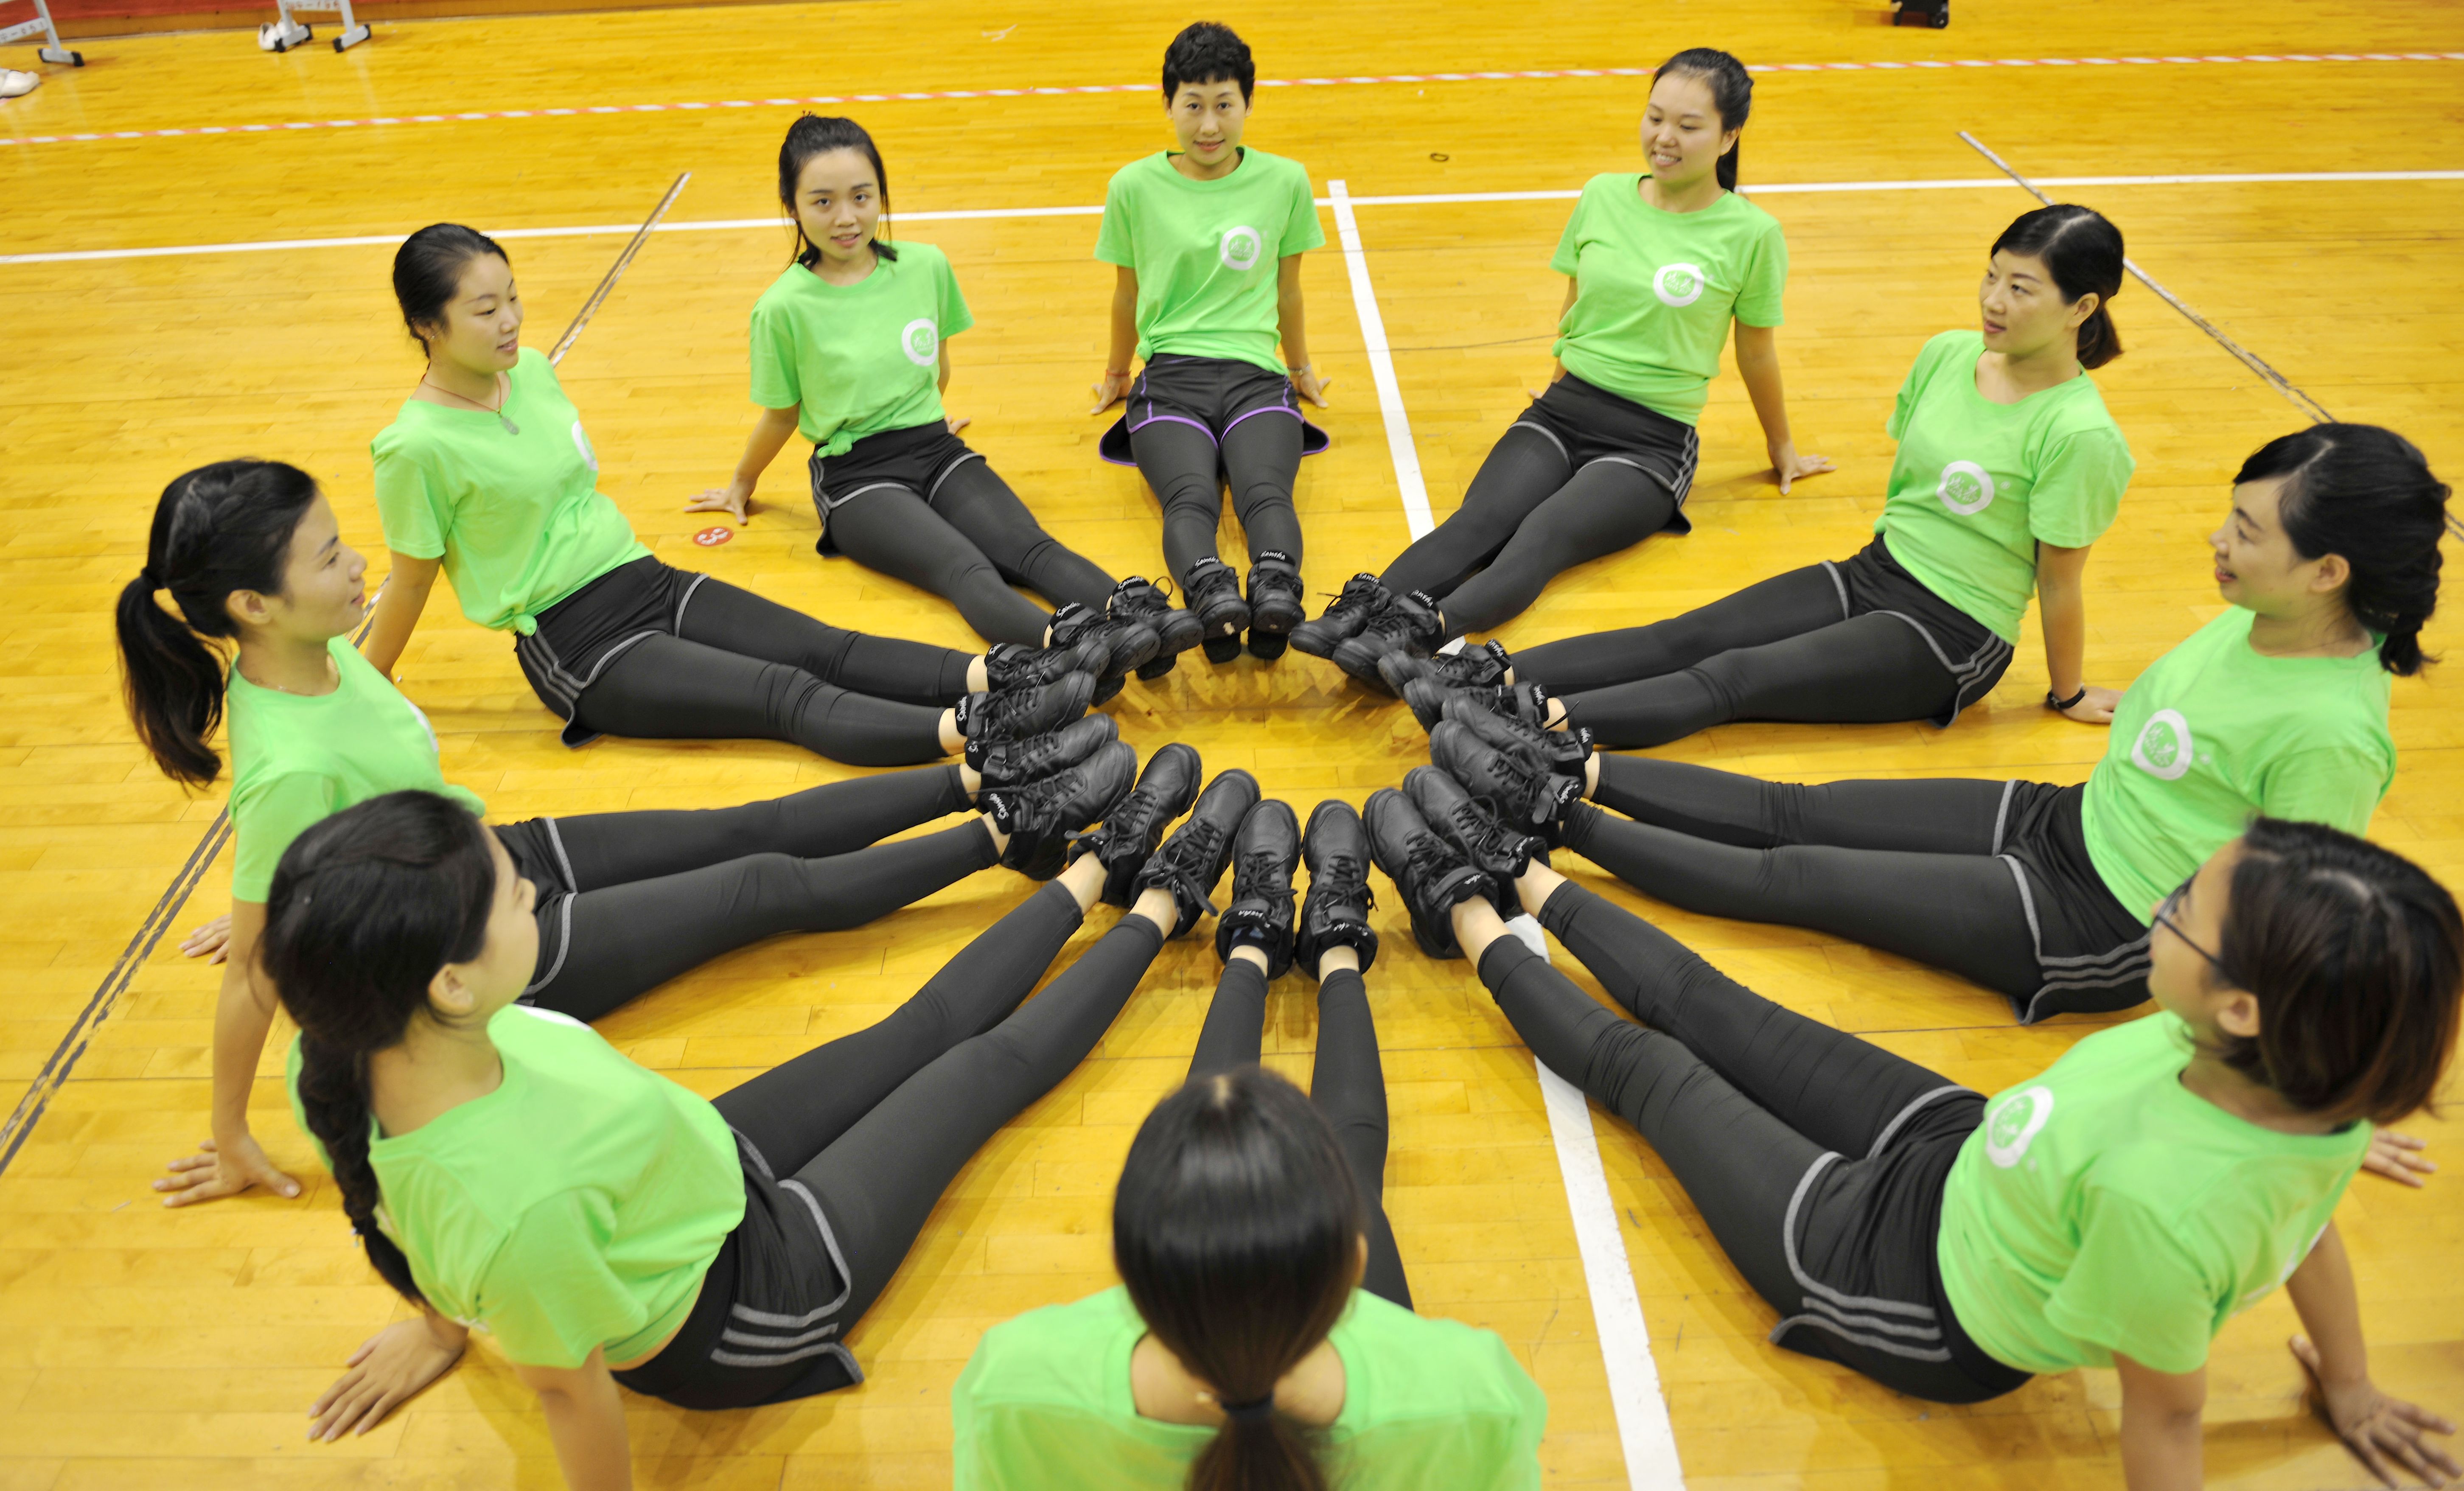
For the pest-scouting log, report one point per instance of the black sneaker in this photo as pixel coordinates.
(1274, 604)
(1140, 599)
(1013, 763)
(1131, 831)
(1523, 792)
(1214, 595)
(1473, 667)
(1020, 664)
(1022, 713)
(1498, 851)
(1335, 912)
(1130, 643)
(1432, 875)
(1362, 596)
(1193, 859)
(1040, 816)
(1409, 623)
(1561, 751)
(1264, 853)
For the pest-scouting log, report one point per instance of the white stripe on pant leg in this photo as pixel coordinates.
(1643, 1430)
(1381, 367)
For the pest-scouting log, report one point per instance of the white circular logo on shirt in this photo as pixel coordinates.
(2164, 747)
(2013, 1127)
(922, 340)
(582, 443)
(1966, 488)
(1240, 248)
(1677, 285)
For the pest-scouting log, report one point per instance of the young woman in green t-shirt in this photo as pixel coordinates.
(1206, 244)
(486, 475)
(249, 554)
(2009, 467)
(851, 345)
(507, 1169)
(2329, 557)
(1265, 1338)
(1658, 265)
(2115, 1210)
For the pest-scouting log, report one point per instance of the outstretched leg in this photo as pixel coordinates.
(1521, 471)
(672, 689)
(612, 944)
(1604, 507)
(1769, 610)
(892, 530)
(603, 849)
(978, 504)
(1262, 459)
(721, 616)
(1872, 669)
(1180, 464)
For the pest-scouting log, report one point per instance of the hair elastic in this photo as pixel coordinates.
(1257, 1411)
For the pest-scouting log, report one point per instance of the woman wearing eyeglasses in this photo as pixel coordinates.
(2114, 1210)
(2045, 893)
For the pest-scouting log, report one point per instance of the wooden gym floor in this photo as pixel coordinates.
(144, 1348)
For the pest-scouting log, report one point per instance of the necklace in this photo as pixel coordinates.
(497, 410)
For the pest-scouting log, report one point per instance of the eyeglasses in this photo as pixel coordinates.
(2165, 918)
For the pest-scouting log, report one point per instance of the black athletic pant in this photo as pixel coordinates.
(631, 899)
(1348, 1083)
(1906, 866)
(874, 1125)
(969, 544)
(1261, 456)
(740, 666)
(1776, 650)
(1817, 1158)
(847, 1147)
(1527, 516)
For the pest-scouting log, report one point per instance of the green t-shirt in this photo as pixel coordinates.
(1976, 484)
(297, 761)
(1207, 252)
(575, 1206)
(1655, 290)
(862, 358)
(2103, 1207)
(1045, 1405)
(2214, 732)
(517, 518)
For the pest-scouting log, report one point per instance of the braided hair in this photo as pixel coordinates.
(365, 907)
(2367, 493)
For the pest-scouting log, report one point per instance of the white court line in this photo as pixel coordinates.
(1643, 1431)
(1382, 365)
(1415, 199)
(935, 95)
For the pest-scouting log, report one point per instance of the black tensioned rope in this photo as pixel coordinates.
(64, 1057)
(2308, 406)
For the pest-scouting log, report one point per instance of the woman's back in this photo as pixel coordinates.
(1045, 1402)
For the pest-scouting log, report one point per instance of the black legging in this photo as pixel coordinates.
(657, 893)
(1907, 866)
(740, 666)
(1348, 1083)
(972, 542)
(1767, 1119)
(875, 1123)
(1528, 516)
(1261, 456)
(1777, 649)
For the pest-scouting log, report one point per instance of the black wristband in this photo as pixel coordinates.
(2070, 703)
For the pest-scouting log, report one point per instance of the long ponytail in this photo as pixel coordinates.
(365, 907)
(1732, 93)
(1237, 1229)
(2369, 494)
(217, 529)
